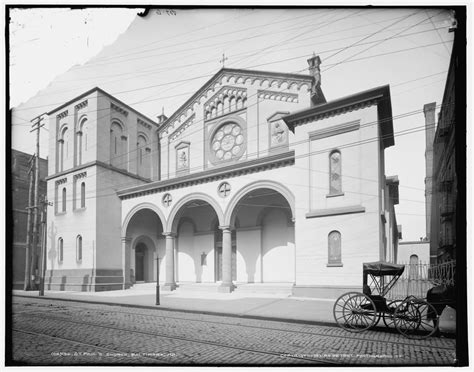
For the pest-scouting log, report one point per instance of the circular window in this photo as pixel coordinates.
(227, 142)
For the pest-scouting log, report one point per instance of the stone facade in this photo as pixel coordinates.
(254, 179)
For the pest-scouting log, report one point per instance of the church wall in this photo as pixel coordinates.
(204, 243)
(249, 259)
(357, 221)
(186, 270)
(109, 252)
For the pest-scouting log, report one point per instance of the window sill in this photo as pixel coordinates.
(60, 213)
(334, 265)
(334, 195)
(80, 209)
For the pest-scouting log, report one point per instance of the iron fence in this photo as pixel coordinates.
(418, 278)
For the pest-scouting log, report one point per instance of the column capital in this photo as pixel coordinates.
(225, 227)
(169, 234)
(126, 239)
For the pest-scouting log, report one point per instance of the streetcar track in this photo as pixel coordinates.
(348, 336)
(82, 343)
(181, 338)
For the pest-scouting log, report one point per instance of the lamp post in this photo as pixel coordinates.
(157, 280)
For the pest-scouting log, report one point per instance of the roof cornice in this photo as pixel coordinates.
(108, 95)
(379, 96)
(213, 174)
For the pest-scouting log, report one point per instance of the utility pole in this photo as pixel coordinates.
(36, 126)
(44, 206)
(28, 256)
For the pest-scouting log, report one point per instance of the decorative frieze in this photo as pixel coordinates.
(62, 115)
(113, 106)
(182, 128)
(277, 96)
(80, 175)
(215, 174)
(81, 105)
(224, 80)
(61, 181)
(143, 123)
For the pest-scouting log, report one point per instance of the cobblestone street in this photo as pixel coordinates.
(55, 332)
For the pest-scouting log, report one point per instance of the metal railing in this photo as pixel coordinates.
(417, 279)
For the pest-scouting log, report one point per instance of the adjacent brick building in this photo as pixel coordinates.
(20, 163)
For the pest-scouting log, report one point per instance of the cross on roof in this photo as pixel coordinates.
(224, 58)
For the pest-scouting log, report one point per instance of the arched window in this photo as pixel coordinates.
(63, 149)
(414, 268)
(81, 143)
(143, 161)
(335, 180)
(79, 248)
(334, 248)
(63, 200)
(116, 144)
(83, 195)
(60, 250)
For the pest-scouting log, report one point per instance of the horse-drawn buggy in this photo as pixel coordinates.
(413, 317)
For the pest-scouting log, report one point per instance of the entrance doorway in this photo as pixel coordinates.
(140, 262)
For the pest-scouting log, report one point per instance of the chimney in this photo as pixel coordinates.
(162, 117)
(317, 95)
(430, 126)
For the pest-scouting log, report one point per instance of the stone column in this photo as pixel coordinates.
(170, 283)
(126, 261)
(227, 285)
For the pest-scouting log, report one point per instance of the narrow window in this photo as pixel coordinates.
(83, 195)
(335, 182)
(79, 248)
(64, 200)
(115, 142)
(334, 248)
(60, 250)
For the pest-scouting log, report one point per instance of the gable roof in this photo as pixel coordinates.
(253, 74)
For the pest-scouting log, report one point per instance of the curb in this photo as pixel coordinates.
(205, 312)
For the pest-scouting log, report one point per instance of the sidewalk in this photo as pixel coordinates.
(253, 305)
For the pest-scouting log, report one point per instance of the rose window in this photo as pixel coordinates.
(228, 142)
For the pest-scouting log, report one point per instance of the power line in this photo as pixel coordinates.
(322, 151)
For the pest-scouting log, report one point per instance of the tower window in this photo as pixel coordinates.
(63, 201)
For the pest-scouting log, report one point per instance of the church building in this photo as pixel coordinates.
(256, 178)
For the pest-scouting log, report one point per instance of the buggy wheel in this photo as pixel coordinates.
(388, 317)
(416, 319)
(355, 312)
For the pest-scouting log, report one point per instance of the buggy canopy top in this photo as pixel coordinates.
(380, 268)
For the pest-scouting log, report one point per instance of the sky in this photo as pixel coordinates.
(157, 62)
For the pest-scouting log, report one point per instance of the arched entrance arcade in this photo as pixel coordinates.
(142, 243)
(265, 235)
(193, 225)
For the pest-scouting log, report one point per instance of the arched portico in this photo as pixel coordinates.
(191, 231)
(265, 236)
(178, 209)
(230, 213)
(142, 243)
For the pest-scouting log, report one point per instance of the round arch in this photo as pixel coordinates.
(119, 122)
(172, 221)
(137, 208)
(145, 240)
(264, 184)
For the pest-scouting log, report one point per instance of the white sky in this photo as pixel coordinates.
(161, 60)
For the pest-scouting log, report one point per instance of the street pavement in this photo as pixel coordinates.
(50, 331)
(262, 305)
